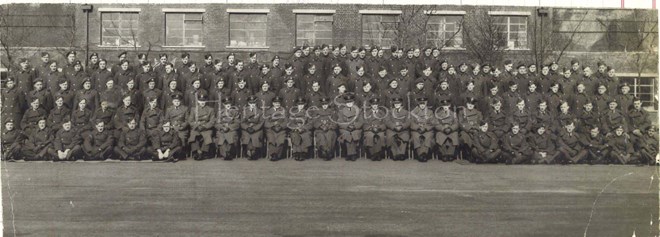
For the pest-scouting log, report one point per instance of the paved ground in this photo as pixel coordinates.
(336, 198)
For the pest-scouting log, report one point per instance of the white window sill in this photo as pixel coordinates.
(119, 47)
(453, 49)
(247, 47)
(191, 46)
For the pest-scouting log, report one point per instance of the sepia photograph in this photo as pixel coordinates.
(329, 118)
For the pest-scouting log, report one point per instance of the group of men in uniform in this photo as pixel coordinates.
(323, 102)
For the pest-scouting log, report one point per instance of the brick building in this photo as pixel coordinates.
(624, 38)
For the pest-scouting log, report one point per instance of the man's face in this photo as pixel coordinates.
(588, 106)
(59, 102)
(201, 103)
(168, 69)
(444, 85)
(176, 102)
(10, 84)
(420, 86)
(555, 88)
(289, 83)
(231, 59)
(602, 90)
(522, 70)
(132, 124)
(554, 67)
(276, 105)
(9, 126)
(343, 50)
(241, 84)
(541, 131)
(163, 60)
(587, 71)
(611, 73)
(366, 87)
(575, 66)
(100, 126)
(184, 60)
(71, 58)
(564, 107)
(532, 87)
(193, 67)
(38, 85)
(625, 89)
(521, 105)
(151, 84)
(130, 84)
(354, 53)
(397, 105)
(543, 106)
(265, 87)
(104, 105)
(196, 84)
(53, 67)
(315, 86)
(326, 51)
(77, 67)
(45, 58)
(172, 85)
(41, 124)
(336, 70)
(619, 131)
(427, 71)
(594, 132)
(545, 70)
(110, 84)
(239, 66)
(581, 88)
(166, 127)
(220, 84)
(637, 104)
(422, 105)
(208, 60)
(122, 57)
(515, 129)
(264, 70)
(497, 106)
(612, 105)
(312, 70)
(508, 67)
(494, 90)
(570, 127)
(66, 126)
(382, 73)
(102, 64)
(289, 70)
(532, 68)
(484, 128)
(127, 100)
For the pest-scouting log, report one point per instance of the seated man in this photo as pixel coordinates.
(325, 133)
(569, 146)
(300, 131)
(622, 148)
(67, 143)
(594, 143)
(11, 141)
(166, 146)
(251, 130)
(132, 142)
(397, 134)
(485, 148)
(201, 119)
(350, 128)
(374, 130)
(98, 145)
(447, 132)
(516, 149)
(226, 126)
(422, 123)
(649, 147)
(38, 141)
(542, 144)
(275, 124)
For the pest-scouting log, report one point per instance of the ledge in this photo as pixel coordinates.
(380, 12)
(248, 48)
(248, 10)
(509, 13)
(201, 10)
(178, 47)
(118, 47)
(108, 9)
(313, 11)
(434, 12)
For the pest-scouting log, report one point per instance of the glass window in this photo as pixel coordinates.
(644, 88)
(183, 29)
(119, 28)
(514, 29)
(313, 29)
(379, 29)
(445, 31)
(248, 30)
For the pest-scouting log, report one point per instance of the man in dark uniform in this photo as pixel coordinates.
(58, 114)
(202, 120)
(468, 118)
(67, 143)
(98, 145)
(125, 112)
(397, 134)
(422, 123)
(151, 118)
(167, 145)
(226, 126)
(593, 141)
(11, 141)
(32, 116)
(485, 147)
(275, 124)
(638, 120)
(649, 148)
(374, 130)
(105, 114)
(251, 129)
(177, 114)
(569, 145)
(132, 142)
(300, 130)
(241, 93)
(447, 132)
(542, 145)
(325, 133)
(13, 102)
(151, 91)
(613, 118)
(350, 128)
(25, 75)
(516, 149)
(622, 147)
(497, 119)
(265, 95)
(38, 141)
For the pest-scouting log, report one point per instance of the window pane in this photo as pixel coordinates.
(119, 28)
(247, 30)
(311, 28)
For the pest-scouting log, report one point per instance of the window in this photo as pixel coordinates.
(119, 28)
(645, 88)
(183, 29)
(313, 29)
(248, 30)
(514, 30)
(379, 29)
(445, 31)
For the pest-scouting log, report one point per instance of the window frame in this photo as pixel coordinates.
(312, 12)
(508, 15)
(381, 13)
(636, 85)
(101, 11)
(230, 11)
(184, 12)
(448, 14)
